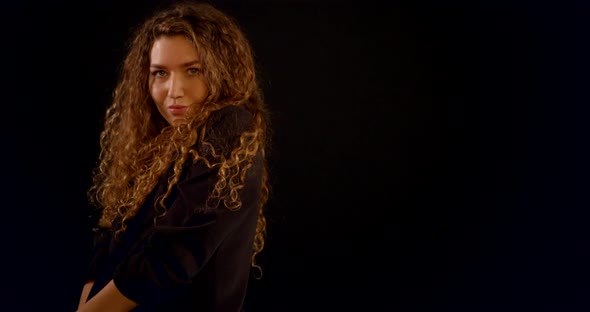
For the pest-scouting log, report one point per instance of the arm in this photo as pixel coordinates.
(101, 242)
(85, 291)
(108, 299)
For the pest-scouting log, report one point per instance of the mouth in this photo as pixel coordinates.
(177, 109)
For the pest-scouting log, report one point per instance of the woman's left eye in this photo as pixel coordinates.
(193, 71)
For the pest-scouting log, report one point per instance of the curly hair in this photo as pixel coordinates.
(138, 146)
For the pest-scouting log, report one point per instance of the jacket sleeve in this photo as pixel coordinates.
(102, 239)
(187, 237)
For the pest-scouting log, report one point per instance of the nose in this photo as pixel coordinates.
(175, 87)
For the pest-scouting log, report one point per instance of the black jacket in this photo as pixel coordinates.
(193, 259)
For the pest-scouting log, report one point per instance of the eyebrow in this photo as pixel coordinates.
(187, 64)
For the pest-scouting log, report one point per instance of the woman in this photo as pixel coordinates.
(181, 180)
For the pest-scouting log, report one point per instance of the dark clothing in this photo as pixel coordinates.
(193, 259)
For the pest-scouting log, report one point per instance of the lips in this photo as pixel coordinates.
(177, 109)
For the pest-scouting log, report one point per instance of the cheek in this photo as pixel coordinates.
(201, 91)
(158, 93)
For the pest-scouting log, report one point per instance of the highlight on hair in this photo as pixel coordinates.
(137, 145)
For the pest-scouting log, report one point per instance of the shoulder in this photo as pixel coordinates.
(236, 118)
(226, 125)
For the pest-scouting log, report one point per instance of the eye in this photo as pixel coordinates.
(159, 73)
(193, 71)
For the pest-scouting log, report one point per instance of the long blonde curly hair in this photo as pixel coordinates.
(138, 146)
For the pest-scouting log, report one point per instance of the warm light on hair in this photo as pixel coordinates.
(138, 147)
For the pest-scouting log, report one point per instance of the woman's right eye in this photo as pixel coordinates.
(159, 73)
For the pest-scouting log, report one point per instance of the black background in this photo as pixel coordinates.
(427, 155)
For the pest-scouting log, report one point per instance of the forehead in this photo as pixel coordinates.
(173, 50)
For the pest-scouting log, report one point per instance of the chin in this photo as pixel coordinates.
(178, 121)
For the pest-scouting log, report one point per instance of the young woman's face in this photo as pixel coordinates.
(176, 80)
